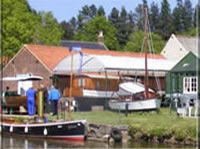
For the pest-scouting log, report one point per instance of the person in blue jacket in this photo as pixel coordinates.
(30, 96)
(54, 96)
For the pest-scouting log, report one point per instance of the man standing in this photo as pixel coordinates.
(30, 96)
(54, 96)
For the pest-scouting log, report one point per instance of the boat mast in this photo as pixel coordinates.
(145, 50)
(71, 83)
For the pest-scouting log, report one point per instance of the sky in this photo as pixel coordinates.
(66, 9)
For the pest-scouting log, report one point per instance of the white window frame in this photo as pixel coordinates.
(81, 82)
(189, 85)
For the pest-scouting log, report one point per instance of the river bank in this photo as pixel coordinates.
(162, 127)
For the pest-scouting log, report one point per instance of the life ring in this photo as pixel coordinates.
(116, 134)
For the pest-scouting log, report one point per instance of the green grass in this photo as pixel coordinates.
(155, 124)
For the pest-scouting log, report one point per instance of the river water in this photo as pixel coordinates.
(11, 142)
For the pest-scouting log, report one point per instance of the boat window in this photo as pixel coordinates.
(98, 84)
(81, 82)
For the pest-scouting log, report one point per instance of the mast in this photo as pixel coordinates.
(71, 83)
(145, 50)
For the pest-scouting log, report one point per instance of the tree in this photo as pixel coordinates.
(114, 17)
(18, 22)
(136, 42)
(68, 30)
(165, 23)
(196, 20)
(101, 11)
(154, 17)
(178, 17)
(188, 14)
(91, 29)
(48, 30)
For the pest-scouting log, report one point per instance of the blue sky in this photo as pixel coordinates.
(66, 9)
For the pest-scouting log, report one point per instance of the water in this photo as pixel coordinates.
(8, 142)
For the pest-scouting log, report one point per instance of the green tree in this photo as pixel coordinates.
(48, 30)
(18, 22)
(90, 32)
(165, 23)
(136, 42)
(68, 30)
(101, 11)
(178, 17)
(188, 14)
(154, 17)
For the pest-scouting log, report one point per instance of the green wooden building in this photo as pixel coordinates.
(182, 80)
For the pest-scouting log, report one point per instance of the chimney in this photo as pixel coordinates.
(100, 37)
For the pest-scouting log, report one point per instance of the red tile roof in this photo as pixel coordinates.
(52, 55)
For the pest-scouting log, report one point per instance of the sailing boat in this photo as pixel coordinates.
(134, 95)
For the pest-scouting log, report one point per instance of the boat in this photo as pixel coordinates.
(133, 95)
(74, 130)
(39, 126)
(13, 99)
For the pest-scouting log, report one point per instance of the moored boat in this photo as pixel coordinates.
(74, 130)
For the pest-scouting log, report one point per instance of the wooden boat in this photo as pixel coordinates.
(14, 100)
(135, 96)
(67, 130)
(131, 96)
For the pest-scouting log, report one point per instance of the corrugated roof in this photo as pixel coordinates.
(97, 63)
(52, 55)
(189, 43)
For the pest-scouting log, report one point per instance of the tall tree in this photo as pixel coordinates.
(68, 30)
(196, 18)
(114, 17)
(178, 17)
(101, 11)
(18, 22)
(136, 42)
(188, 14)
(48, 31)
(165, 23)
(154, 17)
(91, 29)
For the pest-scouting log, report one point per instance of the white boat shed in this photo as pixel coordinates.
(114, 64)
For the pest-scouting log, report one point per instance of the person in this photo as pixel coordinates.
(54, 96)
(45, 98)
(30, 95)
(6, 94)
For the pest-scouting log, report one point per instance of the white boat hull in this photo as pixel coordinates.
(147, 104)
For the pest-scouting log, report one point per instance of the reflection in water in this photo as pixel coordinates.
(9, 142)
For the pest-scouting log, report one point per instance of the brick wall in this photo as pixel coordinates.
(25, 62)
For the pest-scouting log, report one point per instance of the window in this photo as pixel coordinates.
(81, 82)
(190, 85)
(98, 85)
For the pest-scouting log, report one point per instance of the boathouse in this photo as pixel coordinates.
(182, 81)
(96, 76)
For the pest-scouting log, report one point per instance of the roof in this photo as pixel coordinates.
(50, 56)
(189, 43)
(187, 64)
(83, 44)
(102, 63)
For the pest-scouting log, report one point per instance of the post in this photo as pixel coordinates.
(40, 103)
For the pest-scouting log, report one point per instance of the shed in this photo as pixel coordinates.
(182, 80)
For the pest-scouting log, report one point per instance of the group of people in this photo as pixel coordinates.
(50, 99)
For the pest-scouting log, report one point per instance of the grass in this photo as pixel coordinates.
(155, 124)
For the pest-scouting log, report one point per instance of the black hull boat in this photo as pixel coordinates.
(67, 130)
